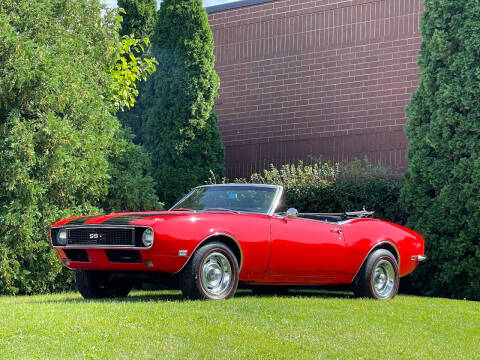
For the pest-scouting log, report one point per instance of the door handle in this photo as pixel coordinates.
(337, 231)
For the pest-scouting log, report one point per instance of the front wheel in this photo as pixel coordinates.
(211, 273)
(378, 278)
(97, 285)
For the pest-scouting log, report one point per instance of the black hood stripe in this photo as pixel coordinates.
(81, 220)
(127, 219)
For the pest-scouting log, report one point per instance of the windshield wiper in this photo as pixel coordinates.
(221, 209)
(182, 209)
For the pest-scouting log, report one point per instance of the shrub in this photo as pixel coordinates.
(132, 188)
(442, 184)
(341, 187)
(59, 148)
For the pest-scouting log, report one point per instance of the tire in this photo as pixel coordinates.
(378, 278)
(119, 291)
(211, 273)
(269, 290)
(97, 285)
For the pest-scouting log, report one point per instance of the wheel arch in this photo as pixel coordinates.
(386, 245)
(225, 239)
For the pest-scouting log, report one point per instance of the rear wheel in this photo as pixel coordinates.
(211, 273)
(378, 278)
(97, 285)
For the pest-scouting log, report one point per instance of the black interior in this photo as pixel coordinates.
(323, 217)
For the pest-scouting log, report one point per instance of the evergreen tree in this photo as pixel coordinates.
(139, 17)
(442, 188)
(59, 139)
(181, 130)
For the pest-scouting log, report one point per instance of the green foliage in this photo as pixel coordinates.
(341, 187)
(441, 192)
(181, 131)
(132, 188)
(179, 172)
(138, 18)
(128, 70)
(58, 133)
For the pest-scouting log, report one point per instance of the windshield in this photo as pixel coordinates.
(257, 199)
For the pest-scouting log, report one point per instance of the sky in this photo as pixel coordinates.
(113, 3)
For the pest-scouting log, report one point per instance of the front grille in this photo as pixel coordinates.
(98, 236)
(104, 236)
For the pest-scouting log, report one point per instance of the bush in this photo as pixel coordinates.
(60, 144)
(442, 184)
(132, 187)
(342, 187)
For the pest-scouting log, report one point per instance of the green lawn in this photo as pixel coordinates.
(301, 325)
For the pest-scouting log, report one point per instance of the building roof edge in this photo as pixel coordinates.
(235, 5)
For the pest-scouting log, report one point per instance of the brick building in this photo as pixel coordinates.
(314, 77)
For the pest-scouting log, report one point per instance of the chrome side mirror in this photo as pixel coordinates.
(292, 213)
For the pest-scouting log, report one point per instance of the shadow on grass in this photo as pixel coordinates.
(176, 296)
(136, 297)
(310, 293)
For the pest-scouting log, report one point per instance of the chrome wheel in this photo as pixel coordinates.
(384, 279)
(216, 274)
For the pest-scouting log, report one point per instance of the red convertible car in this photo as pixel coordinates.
(220, 235)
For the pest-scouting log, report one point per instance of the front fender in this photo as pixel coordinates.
(180, 237)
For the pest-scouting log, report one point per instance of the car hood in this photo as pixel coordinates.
(130, 218)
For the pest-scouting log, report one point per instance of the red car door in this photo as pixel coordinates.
(307, 250)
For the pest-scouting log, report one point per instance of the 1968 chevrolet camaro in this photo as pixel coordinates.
(220, 235)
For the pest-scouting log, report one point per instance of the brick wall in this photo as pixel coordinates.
(315, 77)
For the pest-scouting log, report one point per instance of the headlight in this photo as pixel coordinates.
(62, 237)
(147, 237)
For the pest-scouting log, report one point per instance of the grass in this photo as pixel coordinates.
(301, 325)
